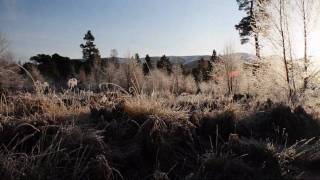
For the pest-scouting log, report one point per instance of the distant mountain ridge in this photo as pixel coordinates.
(188, 60)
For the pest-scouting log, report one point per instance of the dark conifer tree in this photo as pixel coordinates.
(214, 56)
(89, 50)
(203, 71)
(203, 68)
(64, 66)
(252, 24)
(46, 66)
(91, 55)
(165, 64)
(137, 58)
(147, 65)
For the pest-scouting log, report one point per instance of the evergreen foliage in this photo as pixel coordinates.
(165, 64)
(147, 65)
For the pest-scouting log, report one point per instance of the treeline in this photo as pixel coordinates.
(55, 68)
(93, 69)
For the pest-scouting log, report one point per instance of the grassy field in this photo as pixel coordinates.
(113, 135)
(239, 124)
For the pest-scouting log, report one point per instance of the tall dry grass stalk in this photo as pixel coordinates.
(143, 106)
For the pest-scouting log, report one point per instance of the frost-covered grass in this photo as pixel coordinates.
(159, 127)
(77, 136)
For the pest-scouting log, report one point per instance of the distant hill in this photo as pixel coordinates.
(190, 62)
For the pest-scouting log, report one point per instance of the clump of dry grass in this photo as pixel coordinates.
(34, 150)
(302, 155)
(141, 107)
(177, 83)
(280, 124)
(10, 77)
(51, 107)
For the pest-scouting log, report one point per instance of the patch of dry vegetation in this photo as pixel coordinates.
(141, 107)
(156, 127)
(114, 136)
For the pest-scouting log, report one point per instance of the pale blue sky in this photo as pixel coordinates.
(156, 27)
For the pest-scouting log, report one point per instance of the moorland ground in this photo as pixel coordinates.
(159, 126)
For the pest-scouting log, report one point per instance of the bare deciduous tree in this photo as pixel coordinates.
(308, 12)
(114, 57)
(230, 69)
(280, 36)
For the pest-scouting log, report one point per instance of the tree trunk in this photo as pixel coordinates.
(284, 46)
(256, 39)
(291, 69)
(256, 35)
(305, 80)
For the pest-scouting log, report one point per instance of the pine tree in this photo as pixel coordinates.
(92, 58)
(214, 56)
(137, 58)
(254, 23)
(165, 64)
(209, 71)
(89, 50)
(147, 66)
(203, 71)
